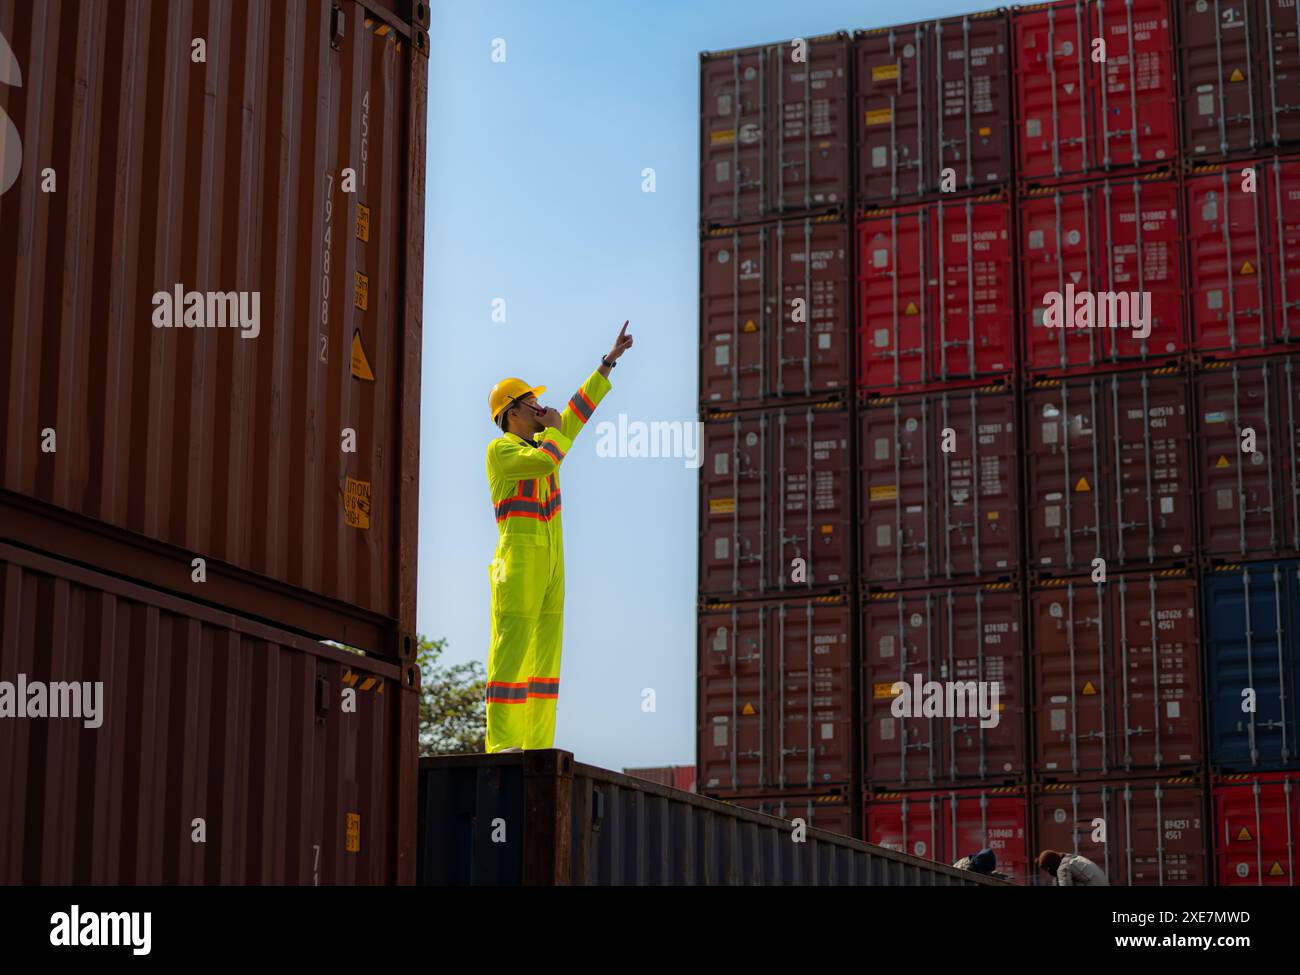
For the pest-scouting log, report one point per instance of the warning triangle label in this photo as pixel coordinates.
(1088, 688)
(1069, 87)
(1075, 276)
(1248, 268)
(360, 363)
(1236, 75)
(1244, 834)
(748, 709)
(911, 308)
(1222, 461)
(1083, 485)
(750, 326)
(1276, 870)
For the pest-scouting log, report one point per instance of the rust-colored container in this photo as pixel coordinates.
(832, 812)
(774, 130)
(936, 294)
(1155, 829)
(1116, 674)
(1249, 507)
(931, 97)
(1077, 115)
(776, 304)
(676, 776)
(222, 751)
(1243, 255)
(948, 825)
(1240, 76)
(775, 696)
(1108, 472)
(1123, 236)
(280, 163)
(930, 515)
(959, 634)
(776, 502)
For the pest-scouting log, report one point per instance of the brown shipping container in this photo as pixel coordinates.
(1249, 505)
(756, 343)
(775, 502)
(931, 515)
(1108, 472)
(775, 696)
(967, 634)
(1155, 832)
(285, 171)
(832, 813)
(933, 96)
(774, 131)
(1116, 671)
(299, 758)
(1240, 66)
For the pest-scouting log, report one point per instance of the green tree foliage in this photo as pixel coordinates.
(453, 719)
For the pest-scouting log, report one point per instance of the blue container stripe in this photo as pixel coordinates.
(1252, 612)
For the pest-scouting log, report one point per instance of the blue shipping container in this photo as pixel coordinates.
(1252, 611)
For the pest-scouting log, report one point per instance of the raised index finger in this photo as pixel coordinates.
(622, 330)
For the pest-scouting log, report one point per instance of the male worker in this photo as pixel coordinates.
(985, 862)
(1072, 870)
(527, 571)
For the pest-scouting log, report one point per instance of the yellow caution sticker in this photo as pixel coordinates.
(722, 506)
(1248, 268)
(884, 72)
(1088, 688)
(356, 502)
(911, 309)
(1236, 75)
(1083, 485)
(1222, 461)
(1276, 870)
(880, 116)
(722, 137)
(1244, 835)
(353, 844)
(363, 222)
(985, 131)
(749, 326)
(883, 689)
(827, 529)
(992, 515)
(360, 361)
(883, 492)
(361, 291)
(748, 709)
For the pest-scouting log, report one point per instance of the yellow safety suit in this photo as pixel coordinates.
(527, 577)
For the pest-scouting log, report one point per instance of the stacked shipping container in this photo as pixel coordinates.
(1105, 518)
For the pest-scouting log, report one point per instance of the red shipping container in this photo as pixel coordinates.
(1116, 676)
(946, 826)
(775, 307)
(1120, 236)
(774, 131)
(1154, 830)
(776, 696)
(1256, 824)
(829, 812)
(775, 514)
(675, 776)
(1077, 115)
(1240, 69)
(960, 634)
(1108, 471)
(930, 515)
(936, 294)
(1244, 256)
(1249, 508)
(932, 97)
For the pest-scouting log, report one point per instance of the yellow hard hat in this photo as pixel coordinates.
(508, 390)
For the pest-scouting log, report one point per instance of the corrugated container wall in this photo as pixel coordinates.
(774, 131)
(217, 750)
(275, 172)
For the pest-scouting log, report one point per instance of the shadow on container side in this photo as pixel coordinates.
(539, 818)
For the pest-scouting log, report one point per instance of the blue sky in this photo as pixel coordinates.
(535, 197)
